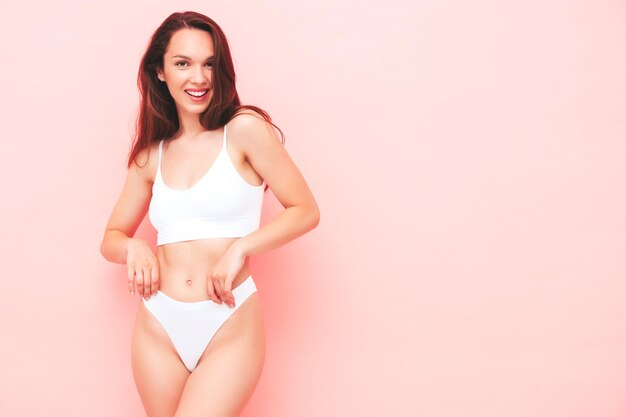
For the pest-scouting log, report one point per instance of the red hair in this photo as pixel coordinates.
(157, 117)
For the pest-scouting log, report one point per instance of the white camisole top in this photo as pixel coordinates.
(220, 204)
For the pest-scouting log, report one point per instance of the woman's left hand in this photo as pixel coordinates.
(225, 271)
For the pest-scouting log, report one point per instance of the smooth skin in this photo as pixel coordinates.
(231, 365)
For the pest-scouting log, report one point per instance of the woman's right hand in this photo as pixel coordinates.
(143, 268)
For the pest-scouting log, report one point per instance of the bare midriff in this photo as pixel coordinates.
(185, 267)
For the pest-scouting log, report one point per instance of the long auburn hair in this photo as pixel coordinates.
(157, 118)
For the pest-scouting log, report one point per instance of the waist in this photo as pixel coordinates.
(186, 267)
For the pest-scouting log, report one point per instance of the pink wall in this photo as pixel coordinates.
(468, 160)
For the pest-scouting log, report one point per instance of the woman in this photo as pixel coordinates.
(199, 166)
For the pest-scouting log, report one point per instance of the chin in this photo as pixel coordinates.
(195, 109)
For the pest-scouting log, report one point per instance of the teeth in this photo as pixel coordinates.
(197, 93)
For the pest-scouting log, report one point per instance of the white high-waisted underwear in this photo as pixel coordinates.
(191, 325)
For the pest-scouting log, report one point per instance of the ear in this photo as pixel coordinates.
(160, 74)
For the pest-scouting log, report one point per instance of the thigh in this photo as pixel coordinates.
(159, 373)
(230, 367)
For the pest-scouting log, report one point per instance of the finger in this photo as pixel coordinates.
(228, 293)
(215, 293)
(139, 282)
(131, 281)
(217, 283)
(229, 300)
(147, 282)
(154, 273)
(211, 292)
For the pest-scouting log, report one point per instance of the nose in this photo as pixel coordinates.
(198, 76)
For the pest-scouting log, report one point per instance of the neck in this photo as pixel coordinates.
(189, 125)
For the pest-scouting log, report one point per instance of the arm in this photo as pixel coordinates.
(269, 158)
(128, 212)
(118, 245)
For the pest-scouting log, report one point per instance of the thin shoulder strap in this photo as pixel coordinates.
(160, 152)
(224, 140)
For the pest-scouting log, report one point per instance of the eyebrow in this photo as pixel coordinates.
(186, 57)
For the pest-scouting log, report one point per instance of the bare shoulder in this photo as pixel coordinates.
(248, 131)
(146, 162)
(245, 117)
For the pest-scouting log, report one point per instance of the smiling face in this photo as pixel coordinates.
(187, 70)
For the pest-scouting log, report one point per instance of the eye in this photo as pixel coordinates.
(210, 64)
